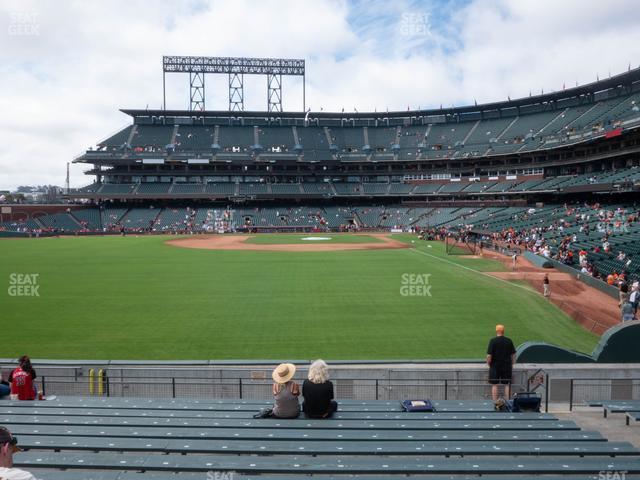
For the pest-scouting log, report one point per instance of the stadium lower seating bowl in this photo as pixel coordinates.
(60, 221)
(145, 438)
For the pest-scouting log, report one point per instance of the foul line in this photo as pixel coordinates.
(527, 289)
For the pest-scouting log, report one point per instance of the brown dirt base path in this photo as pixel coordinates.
(237, 242)
(591, 308)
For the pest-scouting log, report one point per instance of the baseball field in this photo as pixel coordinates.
(343, 297)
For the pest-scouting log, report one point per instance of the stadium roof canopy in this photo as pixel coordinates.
(623, 83)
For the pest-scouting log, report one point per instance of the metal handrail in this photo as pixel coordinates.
(363, 388)
(580, 389)
(578, 386)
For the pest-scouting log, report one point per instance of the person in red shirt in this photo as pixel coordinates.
(22, 380)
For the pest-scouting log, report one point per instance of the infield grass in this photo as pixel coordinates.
(138, 298)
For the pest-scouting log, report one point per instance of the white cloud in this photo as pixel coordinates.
(62, 88)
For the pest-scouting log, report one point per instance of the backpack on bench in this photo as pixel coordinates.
(526, 402)
(417, 406)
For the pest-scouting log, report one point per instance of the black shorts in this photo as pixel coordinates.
(500, 374)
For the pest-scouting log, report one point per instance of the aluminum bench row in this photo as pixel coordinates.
(303, 464)
(378, 416)
(273, 424)
(339, 447)
(213, 475)
(300, 434)
(236, 405)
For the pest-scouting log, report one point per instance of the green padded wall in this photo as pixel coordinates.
(619, 344)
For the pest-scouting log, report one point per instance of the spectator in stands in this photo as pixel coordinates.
(285, 391)
(9, 446)
(22, 380)
(622, 278)
(501, 355)
(623, 294)
(317, 391)
(626, 308)
(634, 298)
(285, 394)
(582, 257)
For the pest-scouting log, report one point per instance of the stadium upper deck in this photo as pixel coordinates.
(579, 130)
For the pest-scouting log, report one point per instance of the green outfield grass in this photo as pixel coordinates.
(292, 239)
(138, 298)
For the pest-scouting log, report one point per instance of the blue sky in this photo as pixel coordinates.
(67, 67)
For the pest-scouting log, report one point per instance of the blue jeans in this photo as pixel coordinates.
(5, 390)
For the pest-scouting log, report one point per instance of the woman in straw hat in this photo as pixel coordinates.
(285, 393)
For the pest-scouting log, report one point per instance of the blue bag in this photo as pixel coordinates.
(526, 402)
(417, 406)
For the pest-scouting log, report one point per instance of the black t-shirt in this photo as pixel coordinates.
(317, 397)
(501, 348)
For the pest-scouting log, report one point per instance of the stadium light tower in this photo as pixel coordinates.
(236, 92)
(196, 87)
(235, 68)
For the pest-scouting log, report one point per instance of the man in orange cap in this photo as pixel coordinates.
(9, 446)
(501, 355)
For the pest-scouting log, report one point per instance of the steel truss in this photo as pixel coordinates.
(235, 68)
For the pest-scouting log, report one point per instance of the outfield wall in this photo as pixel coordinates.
(564, 383)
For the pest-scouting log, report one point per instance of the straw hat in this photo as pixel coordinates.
(283, 372)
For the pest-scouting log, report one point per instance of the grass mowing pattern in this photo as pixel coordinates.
(137, 298)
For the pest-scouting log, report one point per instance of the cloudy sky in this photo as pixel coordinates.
(66, 67)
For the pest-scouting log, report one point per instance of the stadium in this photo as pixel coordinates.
(208, 246)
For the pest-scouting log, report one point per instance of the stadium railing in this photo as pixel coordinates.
(554, 388)
(586, 391)
(243, 388)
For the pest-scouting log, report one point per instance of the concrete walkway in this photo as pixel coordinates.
(613, 427)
